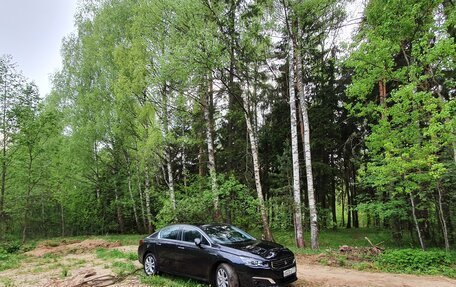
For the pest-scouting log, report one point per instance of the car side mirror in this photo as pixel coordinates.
(198, 242)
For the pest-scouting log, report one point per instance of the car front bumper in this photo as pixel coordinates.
(256, 277)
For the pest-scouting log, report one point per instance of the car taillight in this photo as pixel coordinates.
(141, 242)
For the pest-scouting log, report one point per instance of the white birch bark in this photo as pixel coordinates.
(417, 226)
(442, 220)
(130, 190)
(210, 148)
(141, 199)
(307, 153)
(297, 214)
(147, 195)
(256, 168)
(169, 166)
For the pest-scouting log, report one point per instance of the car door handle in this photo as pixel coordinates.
(181, 247)
(159, 244)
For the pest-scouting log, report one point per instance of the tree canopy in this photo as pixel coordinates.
(247, 112)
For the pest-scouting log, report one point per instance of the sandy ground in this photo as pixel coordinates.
(312, 275)
(78, 266)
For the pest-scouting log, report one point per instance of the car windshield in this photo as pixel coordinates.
(226, 234)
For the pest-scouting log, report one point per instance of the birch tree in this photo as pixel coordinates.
(292, 24)
(209, 118)
(297, 213)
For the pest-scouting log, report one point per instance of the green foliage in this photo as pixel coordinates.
(92, 157)
(416, 261)
(408, 109)
(9, 247)
(195, 203)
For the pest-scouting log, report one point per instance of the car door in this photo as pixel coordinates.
(167, 249)
(196, 261)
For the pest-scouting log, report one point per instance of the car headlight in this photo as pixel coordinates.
(252, 262)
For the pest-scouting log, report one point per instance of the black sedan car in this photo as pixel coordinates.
(220, 254)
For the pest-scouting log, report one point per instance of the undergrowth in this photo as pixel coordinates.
(104, 253)
(416, 261)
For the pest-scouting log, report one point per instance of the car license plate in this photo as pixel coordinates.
(290, 271)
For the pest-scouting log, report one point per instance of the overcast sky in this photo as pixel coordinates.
(32, 32)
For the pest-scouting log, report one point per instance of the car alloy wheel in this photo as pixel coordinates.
(226, 276)
(150, 265)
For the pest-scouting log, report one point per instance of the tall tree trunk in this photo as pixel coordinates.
(4, 143)
(256, 168)
(348, 192)
(119, 212)
(201, 160)
(141, 200)
(29, 193)
(333, 194)
(130, 191)
(342, 207)
(297, 214)
(417, 226)
(354, 199)
(147, 194)
(169, 166)
(442, 219)
(208, 116)
(62, 220)
(306, 139)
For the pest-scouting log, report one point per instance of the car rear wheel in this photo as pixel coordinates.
(150, 265)
(225, 276)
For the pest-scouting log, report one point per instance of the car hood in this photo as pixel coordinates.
(265, 249)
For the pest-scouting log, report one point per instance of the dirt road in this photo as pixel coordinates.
(311, 275)
(69, 270)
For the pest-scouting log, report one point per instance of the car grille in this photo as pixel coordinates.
(282, 263)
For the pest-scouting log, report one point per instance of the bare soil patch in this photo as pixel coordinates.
(77, 247)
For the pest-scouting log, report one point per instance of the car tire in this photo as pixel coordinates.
(225, 276)
(150, 265)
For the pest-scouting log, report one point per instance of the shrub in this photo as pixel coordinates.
(10, 247)
(417, 261)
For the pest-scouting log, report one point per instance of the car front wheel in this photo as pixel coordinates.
(150, 265)
(225, 276)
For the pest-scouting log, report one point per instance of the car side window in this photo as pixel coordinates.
(170, 233)
(190, 235)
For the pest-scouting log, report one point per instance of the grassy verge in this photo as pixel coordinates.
(398, 257)
(165, 280)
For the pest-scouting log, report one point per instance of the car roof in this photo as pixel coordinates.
(199, 225)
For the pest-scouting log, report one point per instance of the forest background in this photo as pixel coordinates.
(237, 111)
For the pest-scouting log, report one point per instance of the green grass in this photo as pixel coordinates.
(122, 268)
(104, 253)
(127, 239)
(10, 261)
(333, 239)
(6, 282)
(165, 280)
